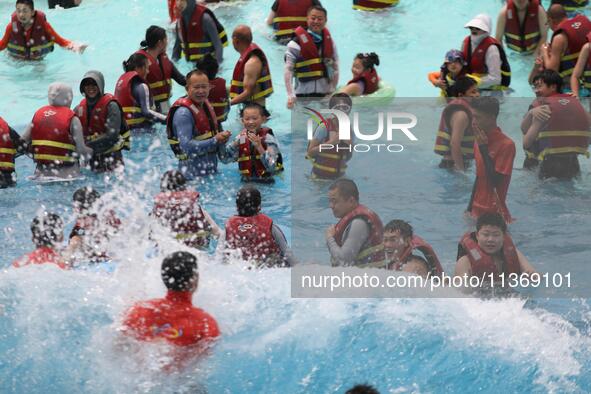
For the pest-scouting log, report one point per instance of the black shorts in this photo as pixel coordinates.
(7, 179)
(560, 166)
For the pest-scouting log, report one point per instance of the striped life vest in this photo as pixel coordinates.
(132, 112)
(309, 65)
(289, 15)
(50, 136)
(194, 42)
(253, 236)
(331, 163)
(264, 83)
(373, 5)
(477, 60)
(576, 30)
(249, 160)
(443, 140)
(483, 264)
(419, 244)
(7, 149)
(370, 79)
(37, 45)
(219, 99)
(522, 36)
(159, 77)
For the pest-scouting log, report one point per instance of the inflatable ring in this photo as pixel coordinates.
(382, 97)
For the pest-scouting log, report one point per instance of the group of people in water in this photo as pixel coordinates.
(555, 131)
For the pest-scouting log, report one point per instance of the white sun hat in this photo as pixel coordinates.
(482, 22)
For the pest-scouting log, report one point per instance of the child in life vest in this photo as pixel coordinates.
(365, 78)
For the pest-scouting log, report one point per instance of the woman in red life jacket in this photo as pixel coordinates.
(365, 78)
(523, 23)
(56, 136)
(94, 226)
(490, 251)
(219, 97)
(256, 148)
(287, 15)
(177, 208)
(161, 71)
(105, 130)
(173, 319)
(11, 147)
(400, 246)
(48, 232)
(254, 234)
(30, 37)
(133, 93)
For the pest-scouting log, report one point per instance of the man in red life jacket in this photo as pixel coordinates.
(357, 239)
(400, 244)
(251, 80)
(255, 235)
(311, 57)
(490, 250)
(177, 208)
(556, 129)
(523, 23)
(57, 136)
(565, 46)
(173, 318)
(29, 36)
(287, 15)
(329, 154)
(455, 137)
(486, 57)
(198, 32)
(94, 227)
(105, 129)
(494, 154)
(11, 147)
(48, 232)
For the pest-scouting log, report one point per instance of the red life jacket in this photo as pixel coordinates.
(194, 42)
(249, 160)
(131, 108)
(39, 44)
(576, 30)
(443, 140)
(586, 78)
(94, 125)
(371, 253)
(483, 264)
(373, 5)
(42, 255)
(370, 79)
(50, 136)
(7, 149)
(173, 319)
(522, 37)
(205, 123)
(477, 61)
(309, 65)
(219, 99)
(574, 5)
(253, 236)
(264, 83)
(177, 211)
(332, 163)
(567, 130)
(419, 244)
(289, 15)
(159, 76)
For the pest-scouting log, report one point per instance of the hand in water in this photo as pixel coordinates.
(77, 47)
(542, 113)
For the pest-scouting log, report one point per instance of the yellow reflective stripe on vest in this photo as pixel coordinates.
(284, 32)
(53, 144)
(17, 47)
(262, 94)
(201, 233)
(135, 121)
(39, 47)
(369, 251)
(200, 44)
(328, 169)
(8, 151)
(54, 158)
(305, 63)
(278, 19)
(162, 97)
(131, 110)
(310, 74)
(566, 149)
(160, 84)
(574, 133)
(330, 155)
(217, 105)
(173, 141)
(204, 136)
(6, 164)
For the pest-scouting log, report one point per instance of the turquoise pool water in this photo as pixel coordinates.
(57, 329)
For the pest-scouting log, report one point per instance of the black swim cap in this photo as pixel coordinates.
(248, 201)
(85, 197)
(172, 180)
(179, 271)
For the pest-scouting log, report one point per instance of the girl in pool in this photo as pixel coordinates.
(454, 66)
(255, 149)
(365, 78)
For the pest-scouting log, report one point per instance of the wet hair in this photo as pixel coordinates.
(486, 105)
(136, 60)
(209, 65)
(491, 219)
(153, 35)
(85, 198)
(362, 389)
(556, 12)
(403, 227)
(172, 180)
(462, 85)
(179, 271)
(369, 60)
(262, 110)
(317, 8)
(346, 187)
(47, 229)
(248, 201)
(550, 77)
(194, 72)
(26, 2)
(339, 98)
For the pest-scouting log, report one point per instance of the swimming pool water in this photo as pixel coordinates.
(57, 329)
